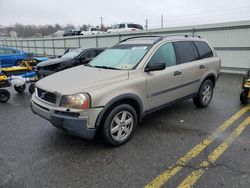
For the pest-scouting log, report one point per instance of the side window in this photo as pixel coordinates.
(9, 51)
(122, 26)
(1, 51)
(166, 54)
(186, 51)
(203, 49)
(98, 52)
(89, 54)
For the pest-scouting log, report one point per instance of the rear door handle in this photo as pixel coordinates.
(202, 67)
(176, 73)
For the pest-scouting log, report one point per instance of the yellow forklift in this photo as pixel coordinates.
(245, 94)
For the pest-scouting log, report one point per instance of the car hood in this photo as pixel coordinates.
(52, 62)
(81, 79)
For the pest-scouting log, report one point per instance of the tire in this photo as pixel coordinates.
(19, 62)
(4, 95)
(204, 95)
(20, 89)
(243, 98)
(32, 88)
(116, 120)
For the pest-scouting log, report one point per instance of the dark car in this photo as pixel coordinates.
(70, 59)
(72, 33)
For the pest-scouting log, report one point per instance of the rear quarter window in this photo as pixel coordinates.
(186, 51)
(203, 49)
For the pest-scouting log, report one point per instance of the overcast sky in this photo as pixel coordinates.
(78, 12)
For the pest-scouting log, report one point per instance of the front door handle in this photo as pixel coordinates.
(202, 67)
(176, 73)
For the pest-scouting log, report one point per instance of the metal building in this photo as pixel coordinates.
(231, 40)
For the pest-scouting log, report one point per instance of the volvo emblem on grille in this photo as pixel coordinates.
(42, 95)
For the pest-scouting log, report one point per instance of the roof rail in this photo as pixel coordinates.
(159, 37)
(141, 36)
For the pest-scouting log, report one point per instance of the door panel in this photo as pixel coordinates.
(163, 86)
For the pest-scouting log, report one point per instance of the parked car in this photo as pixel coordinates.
(92, 31)
(70, 59)
(12, 57)
(126, 82)
(71, 33)
(125, 27)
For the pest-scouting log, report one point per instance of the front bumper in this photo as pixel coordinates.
(71, 122)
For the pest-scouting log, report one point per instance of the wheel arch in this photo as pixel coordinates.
(127, 98)
(211, 77)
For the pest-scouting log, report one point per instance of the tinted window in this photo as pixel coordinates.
(137, 26)
(186, 51)
(203, 49)
(98, 52)
(89, 54)
(9, 51)
(166, 54)
(122, 26)
(1, 51)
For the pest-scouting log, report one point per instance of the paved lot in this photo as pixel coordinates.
(34, 154)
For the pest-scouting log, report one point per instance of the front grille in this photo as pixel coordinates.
(46, 96)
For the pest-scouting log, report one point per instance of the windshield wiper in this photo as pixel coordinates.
(105, 67)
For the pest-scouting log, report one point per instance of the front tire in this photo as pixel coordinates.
(4, 95)
(119, 125)
(204, 95)
(20, 89)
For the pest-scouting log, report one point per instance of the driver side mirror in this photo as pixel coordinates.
(155, 67)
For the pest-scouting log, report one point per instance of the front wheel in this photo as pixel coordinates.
(4, 95)
(20, 89)
(119, 125)
(205, 94)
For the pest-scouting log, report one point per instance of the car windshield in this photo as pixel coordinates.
(72, 54)
(123, 56)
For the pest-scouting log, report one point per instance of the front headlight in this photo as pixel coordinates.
(76, 101)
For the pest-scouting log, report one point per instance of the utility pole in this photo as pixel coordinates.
(101, 22)
(146, 24)
(162, 21)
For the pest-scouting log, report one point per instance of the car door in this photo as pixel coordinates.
(163, 86)
(190, 65)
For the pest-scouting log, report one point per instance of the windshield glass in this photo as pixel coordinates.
(124, 56)
(72, 54)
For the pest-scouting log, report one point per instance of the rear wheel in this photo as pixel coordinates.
(4, 95)
(20, 89)
(119, 125)
(243, 98)
(205, 94)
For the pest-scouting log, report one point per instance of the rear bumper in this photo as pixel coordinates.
(68, 122)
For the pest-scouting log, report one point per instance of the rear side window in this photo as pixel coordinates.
(89, 54)
(203, 49)
(164, 54)
(137, 26)
(122, 26)
(9, 52)
(186, 51)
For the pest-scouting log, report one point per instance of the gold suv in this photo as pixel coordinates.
(124, 83)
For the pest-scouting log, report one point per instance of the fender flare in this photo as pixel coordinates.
(117, 99)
